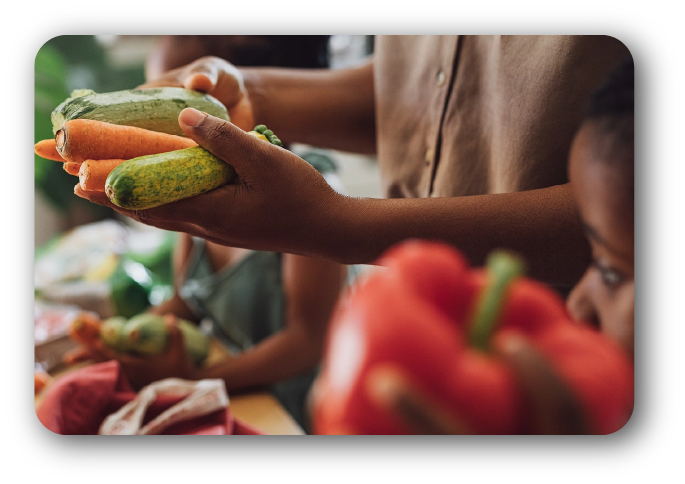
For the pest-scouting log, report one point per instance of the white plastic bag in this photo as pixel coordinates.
(202, 398)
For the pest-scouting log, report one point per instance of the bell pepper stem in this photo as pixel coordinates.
(503, 268)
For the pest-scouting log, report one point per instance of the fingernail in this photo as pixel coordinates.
(192, 117)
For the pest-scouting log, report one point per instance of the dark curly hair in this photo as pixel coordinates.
(611, 109)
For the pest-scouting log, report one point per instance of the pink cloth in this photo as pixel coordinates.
(77, 404)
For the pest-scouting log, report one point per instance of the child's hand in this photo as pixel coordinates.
(142, 370)
(552, 408)
(218, 78)
(391, 390)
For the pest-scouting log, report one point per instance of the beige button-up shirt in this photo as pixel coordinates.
(470, 115)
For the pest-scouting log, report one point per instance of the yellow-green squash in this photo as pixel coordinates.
(147, 334)
(112, 333)
(153, 180)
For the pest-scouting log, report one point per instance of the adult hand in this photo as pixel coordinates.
(551, 408)
(217, 77)
(274, 204)
(143, 370)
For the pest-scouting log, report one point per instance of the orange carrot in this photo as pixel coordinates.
(40, 381)
(47, 149)
(77, 355)
(85, 329)
(71, 168)
(86, 139)
(93, 173)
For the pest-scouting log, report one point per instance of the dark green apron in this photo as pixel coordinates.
(246, 304)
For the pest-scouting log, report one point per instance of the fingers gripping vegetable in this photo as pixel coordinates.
(153, 109)
(437, 319)
(147, 334)
(150, 181)
(144, 334)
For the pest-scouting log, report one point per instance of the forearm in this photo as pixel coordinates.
(542, 225)
(175, 306)
(284, 355)
(325, 108)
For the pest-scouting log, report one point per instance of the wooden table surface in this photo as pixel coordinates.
(261, 410)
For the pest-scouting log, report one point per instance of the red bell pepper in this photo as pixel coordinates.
(436, 318)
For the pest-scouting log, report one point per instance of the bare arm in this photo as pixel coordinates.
(311, 289)
(281, 203)
(325, 108)
(542, 225)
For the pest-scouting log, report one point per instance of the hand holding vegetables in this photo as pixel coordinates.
(95, 133)
(149, 347)
(217, 77)
(554, 410)
(277, 197)
(144, 334)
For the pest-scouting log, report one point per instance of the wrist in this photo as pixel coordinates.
(253, 90)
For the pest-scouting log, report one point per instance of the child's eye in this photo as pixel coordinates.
(610, 276)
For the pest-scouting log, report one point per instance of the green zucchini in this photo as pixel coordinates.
(146, 334)
(153, 180)
(156, 109)
(195, 342)
(112, 333)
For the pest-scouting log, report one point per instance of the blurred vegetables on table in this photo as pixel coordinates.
(41, 379)
(106, 267)
(51, 326)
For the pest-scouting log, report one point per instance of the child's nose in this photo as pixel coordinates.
(579, 302)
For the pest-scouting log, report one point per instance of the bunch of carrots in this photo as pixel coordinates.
(91, 149)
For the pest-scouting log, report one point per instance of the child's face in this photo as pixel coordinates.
(605, 294)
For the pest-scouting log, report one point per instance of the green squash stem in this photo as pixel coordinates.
(502, 268)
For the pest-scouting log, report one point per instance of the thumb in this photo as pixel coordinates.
(552, 407)
(390, 389)
(221, 138)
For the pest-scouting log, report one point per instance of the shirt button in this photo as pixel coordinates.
(440, 78)
(429, 156)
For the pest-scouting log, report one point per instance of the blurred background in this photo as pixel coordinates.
(110, 63)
